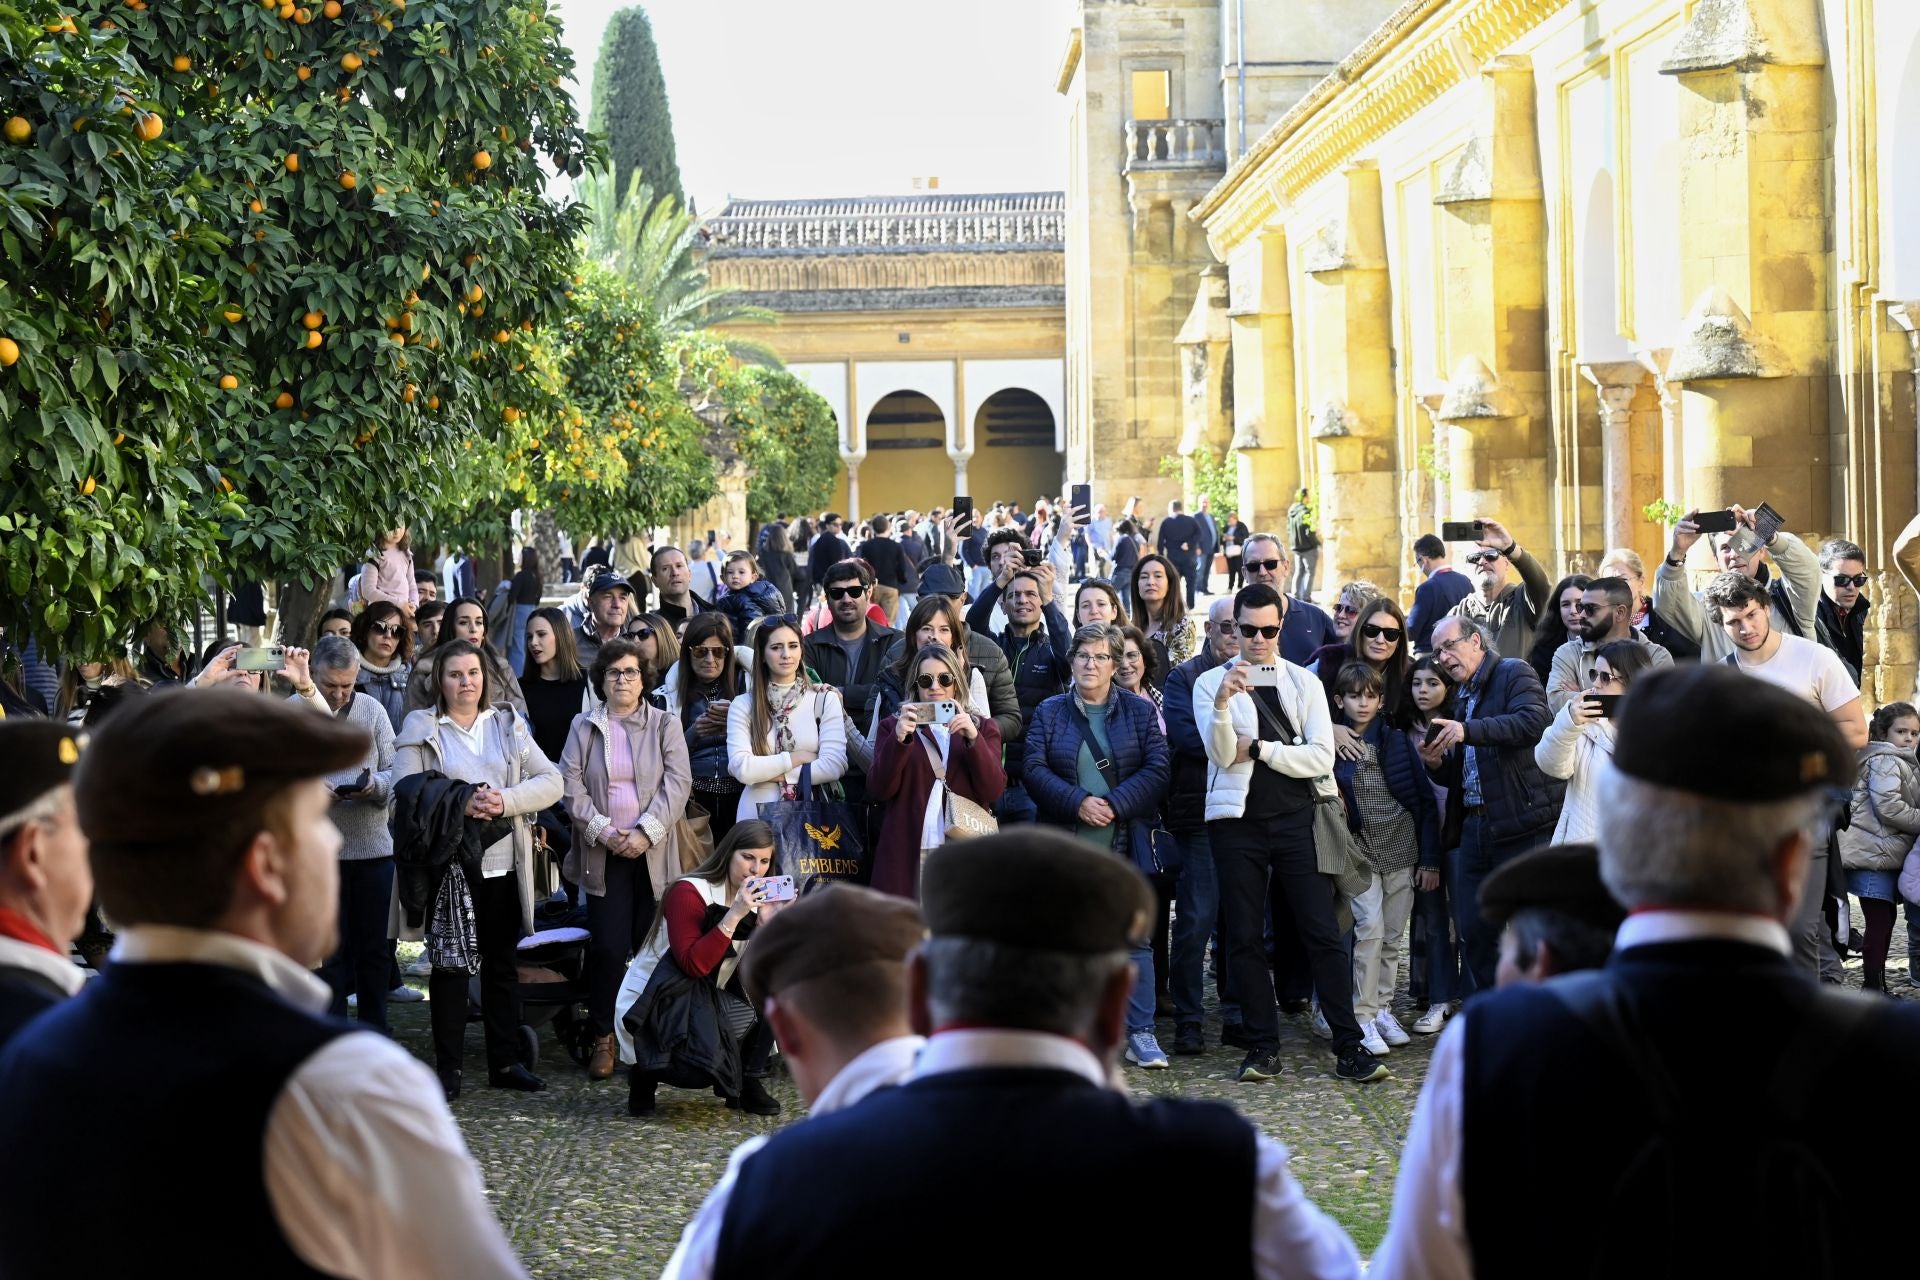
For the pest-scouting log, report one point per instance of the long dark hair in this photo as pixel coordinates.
(1173, 610)
(923, 611)
(1395, 671)
(748, 833)
(377, 612)
(566, 653)
(762, 720)
(707, 626)
(1429, 663)
(1550, 629)
(453, 609)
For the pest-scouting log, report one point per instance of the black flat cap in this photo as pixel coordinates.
(167, 767)
(941, 580)
(836, 928)
(1559, 877)
(40, 756)
(1712, 730)
(1035, 888)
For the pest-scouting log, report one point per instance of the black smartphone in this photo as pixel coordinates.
(357, 785)
(1766, 522)
(712, 537)
(1461, 531)
(962, 508)
(1433, 731)
(1715, 522)
(1081, 500)
(1609, 703)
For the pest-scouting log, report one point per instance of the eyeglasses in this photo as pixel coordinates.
(394, 629)
(1483, 557)
(942, 680)
(644, 633)
(1261, 566)
(717, 652)
(1605, 677)
(1455, 643)
(620, 675)
(1588, 609)
(1845, 580)
(1374, 631)
(1088, 658)
(1248, 632)
(845, 593)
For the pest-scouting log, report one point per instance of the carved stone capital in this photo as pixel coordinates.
(1475, 391)
(1744, 35)
(1331, 420)
(1717, 340)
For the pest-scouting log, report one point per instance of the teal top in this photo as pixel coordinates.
(1090, 778)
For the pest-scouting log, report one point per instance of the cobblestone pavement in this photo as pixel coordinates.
(584, 1190)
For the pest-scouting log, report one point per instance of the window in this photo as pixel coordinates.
(1152, 95)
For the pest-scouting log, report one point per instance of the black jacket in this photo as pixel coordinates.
(430, 831)
(888, 561)
(1508, 718)
(829, 549)
(24, 996)
(1187, 798)
(826, 659)
(1670, 638)
(1846, 636)
(679, 1034)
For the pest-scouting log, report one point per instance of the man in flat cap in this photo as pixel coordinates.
(1007, 1150)
(1586, 1124)
(1553, 911)
(829, 974)
(198, 1070)
(45, 883)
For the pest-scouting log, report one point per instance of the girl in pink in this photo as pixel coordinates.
(389, 572)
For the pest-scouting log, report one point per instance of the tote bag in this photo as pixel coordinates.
(820, 840)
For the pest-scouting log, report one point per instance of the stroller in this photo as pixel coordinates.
(553, 991)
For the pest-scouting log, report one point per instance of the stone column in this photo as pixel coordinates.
(1206, 394)
(1619, 383)
(852, 463)
(1265, 417)
(1349, 346)
(960, 459)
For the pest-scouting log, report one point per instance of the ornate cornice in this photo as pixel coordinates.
(929, 270)
(890, 224)
(967, 298)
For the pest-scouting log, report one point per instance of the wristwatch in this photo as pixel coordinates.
(1676, 564)
(1511, 548)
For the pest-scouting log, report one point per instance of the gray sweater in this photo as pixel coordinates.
(363, 821)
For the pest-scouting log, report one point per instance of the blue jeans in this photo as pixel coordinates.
(1016, 806)
(1473, 862)
(362, 963)
(517, 639)
(1197, 906)
(1441, 955)
(1140, 1003)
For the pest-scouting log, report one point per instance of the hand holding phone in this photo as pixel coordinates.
(262, 658)
(776, 889)
(1461, 530)
(1715, 522)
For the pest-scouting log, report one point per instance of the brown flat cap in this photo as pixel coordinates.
(1559, 877)
(40, 756)
(1035, 888)
(165, 768)
(836, 928)
(1710, 729)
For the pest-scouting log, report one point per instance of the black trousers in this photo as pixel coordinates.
(617, 919)
(756, 1051)
(496, 921)
(361, 965)
(1273, 861)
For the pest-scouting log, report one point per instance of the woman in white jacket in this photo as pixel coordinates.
(783, 723)
(1580, 740)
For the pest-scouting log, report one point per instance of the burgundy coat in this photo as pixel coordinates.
(899, 783)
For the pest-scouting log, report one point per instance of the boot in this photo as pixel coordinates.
(754, 1098)
(600, 1065)
(640, 1090)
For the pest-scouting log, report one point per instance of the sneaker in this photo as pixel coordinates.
(1259, 1066)
(1430, 1022)
(404, 994)
(1234, 1035)
(1361, 1066)
(1320, 1027)
(421, 968)
(1144, 1051)
(1390, 1029)
(1188, 1039)
(1371, 1040)
(353, 1001)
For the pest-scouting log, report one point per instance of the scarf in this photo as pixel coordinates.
(20, 929)
(933, 823)
(781, 703)
(374, 668)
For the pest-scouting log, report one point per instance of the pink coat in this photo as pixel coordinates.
(389, 576)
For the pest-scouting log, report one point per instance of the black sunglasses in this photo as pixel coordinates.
(1261, 566)
(1374, 631)
(845, 593)
(394, 629)
(1588, 609)
(1483, 557)
(644, 633)
(943, 680)
(1249, 631)
(1844, 580)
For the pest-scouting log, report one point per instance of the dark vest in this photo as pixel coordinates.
(24, 996)
(1679, 1156)
(997, 1172)
(135, 1126)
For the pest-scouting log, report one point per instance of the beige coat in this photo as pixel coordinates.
(662, 775)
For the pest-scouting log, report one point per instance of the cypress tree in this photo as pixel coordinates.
(630, 106)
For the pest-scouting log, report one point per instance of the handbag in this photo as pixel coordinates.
(966, 818)
(819, 840)
(1150, 846)
(1335, 850)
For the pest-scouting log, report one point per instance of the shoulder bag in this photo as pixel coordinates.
(966, 818)
(1150, 846)
(1338, 854)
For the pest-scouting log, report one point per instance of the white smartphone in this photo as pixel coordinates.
(779, 888)
(1263, 676)
(936, 712)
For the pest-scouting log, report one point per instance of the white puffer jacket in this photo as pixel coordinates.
(1577, 753)
(1302, 697)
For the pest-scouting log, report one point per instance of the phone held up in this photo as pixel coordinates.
(1715, 522)
(962, 510)
(1263, 676)
(935, 712)
(779, 888)
(1607, 703)
(1461, 530)
(1081, 500)
(270, 657)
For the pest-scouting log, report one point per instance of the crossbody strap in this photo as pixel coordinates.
(933, 755)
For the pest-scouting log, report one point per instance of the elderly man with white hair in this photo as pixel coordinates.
(45, 881)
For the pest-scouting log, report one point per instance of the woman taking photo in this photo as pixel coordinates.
(1377, 638)
(386, 657)
(1097, 764)
(917, 760)
(465, 619)
(702, 687)
(681, 1016)
(554, 685)
(1557, 622)
(627, 782)
(783, 723)
(1580, 740)
(478, 909)
(1160, 610)
(528, 585)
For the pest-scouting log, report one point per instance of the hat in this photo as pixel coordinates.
(40, 756)
(941, 580)
(837, 928)
(1714, 731)
(1038, 889)
(165, 769)
(611, 580)
(1559, 877)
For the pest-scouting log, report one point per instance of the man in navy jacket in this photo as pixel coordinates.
(1443, 587)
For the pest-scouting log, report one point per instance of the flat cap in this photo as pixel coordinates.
(1710, 729)
(836, 928)
(40, 756)
(165, 768)
(1558, 877)
(1035, 888)
(941, 580)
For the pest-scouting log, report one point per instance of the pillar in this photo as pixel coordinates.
(960, 459)
(1493, 249)
(1349, 347)
(1265, 439)
(1206, 400)
(1753, 356)
(1619, 384)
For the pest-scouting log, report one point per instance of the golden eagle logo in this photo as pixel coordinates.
(828, 840)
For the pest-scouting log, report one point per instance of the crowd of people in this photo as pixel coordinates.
(1293, 802)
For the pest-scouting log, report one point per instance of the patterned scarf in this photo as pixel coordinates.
(781, 704)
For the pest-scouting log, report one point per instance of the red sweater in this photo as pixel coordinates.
(696, 949)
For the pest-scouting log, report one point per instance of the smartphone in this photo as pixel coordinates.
(1766, 522)
(713, 536)
(1715, 522)
(1461, 531)
(1433, 732)
(941, 712)
(1082, 503)
(269, 657)
(779, 888)
(962, 508)
(359, 784)
(1609, 703)
(1263, 676)
(1034, 556)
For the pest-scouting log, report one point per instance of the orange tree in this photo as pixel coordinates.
(366, 179)
(108, 507)
(789, 437)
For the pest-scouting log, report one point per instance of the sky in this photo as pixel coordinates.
(800, 98)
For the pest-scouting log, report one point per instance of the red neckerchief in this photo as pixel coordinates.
(18, 927)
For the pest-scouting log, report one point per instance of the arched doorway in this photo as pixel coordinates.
(1014, 459)
(907, 463)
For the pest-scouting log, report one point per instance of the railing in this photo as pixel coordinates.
(1176, 144)
(864, 231)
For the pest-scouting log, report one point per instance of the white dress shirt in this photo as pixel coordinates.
(364, 1167)
(1427, 1238)
(888, 1062)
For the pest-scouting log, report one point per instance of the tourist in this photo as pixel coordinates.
(698, 693)
(1433, 970)
(749, 595)
(337, 622)
(1793, 597)
(1509, 610)
(610, 603)
(162, 659)
(528, 586)
(81, 684)
(919, 761)
(1441, 588)
(1140, 671)
(1233, 540)
(388, 573)
(681, 1017)
(783, 724)
(476, 741)
(851, 654)
(1376, 638)
(1578, 745)
(202, 1045)
(555, 684)
(1127, 548)
(1604, 617)
(939, 618)
(659, 648)
(672, 576)
(1334, 654)
(1096, 601)
(1160, 610)
(882, 552)
(828, 548)
(220, 666)
(627, 779)
(1208, 544)
(1305, 541)
(45, 880)
(1178, 543)
(1554, 912)
(1097, 764)
(1627, 565)
(1841, 620)
(1304, 625)
(1034, 639)
(465, 620)
(385, 645)
(1559, 620)
(1884, 821)
(800, 538)
(776, 563)
(427, 623)
(427, 585)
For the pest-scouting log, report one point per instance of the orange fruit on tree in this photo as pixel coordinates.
(18, 130)
(228, 382)
(233, 315)
(433, 402)
(510, 413)
(86, 490)
(351, 61)
(303, 16)
(9, 353)
(398, 336)
(483, 160)
(286, 11)
(304, 72)
(284, 400)
(408, 394)
(293, 162)
(314, 319)
(331, 8)
(151, 126)
(348, 181)
(181, 62)
(506, 134)
(314, 339)
(476, 293)
(503, 336)
(254, 206)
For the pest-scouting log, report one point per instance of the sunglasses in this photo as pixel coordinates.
(1261, 566)
(1346, 611)
(1374, 631)
(644, 633)
(1844, 580)
(944, 680)
(394, 629)
(1248, 631)
(714, 651)
(1588, 609)
(845, 593)
(1483, 557)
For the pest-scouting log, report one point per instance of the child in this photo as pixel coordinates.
(1885, 818)
(1390, 803)
(1433, 972)
(749, 596)
(388, 574)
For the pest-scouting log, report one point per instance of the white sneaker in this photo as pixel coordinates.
(1390, 1029)
(353, 1001)
(421, 968)
(1430, 1022)
(1370, 1040)
(404, 994)
(1320, 1027)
